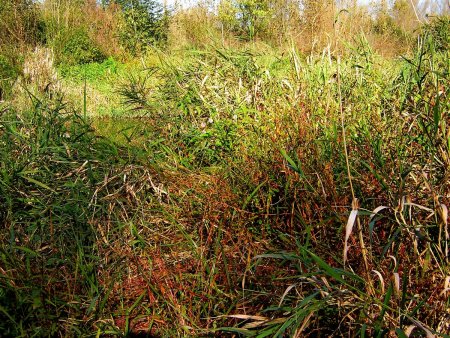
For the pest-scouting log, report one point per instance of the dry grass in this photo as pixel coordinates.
(247, 192)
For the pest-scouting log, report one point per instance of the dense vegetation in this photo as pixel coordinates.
(237, 168)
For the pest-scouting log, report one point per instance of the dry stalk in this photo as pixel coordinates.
(354, 199)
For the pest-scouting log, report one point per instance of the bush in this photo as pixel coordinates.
(91, 72)
(145, 24)
(20, 29)
(192, 27)
(78, 48)
(43, 199)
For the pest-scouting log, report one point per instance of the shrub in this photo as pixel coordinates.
(20, 28)
(91, 72)
(40, 152)
(39, 71)
(88, 32)
(78, 48)
(145, 24)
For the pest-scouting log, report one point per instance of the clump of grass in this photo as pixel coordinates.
(53, 173)
(407, 247)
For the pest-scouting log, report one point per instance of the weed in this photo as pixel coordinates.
(234, 191)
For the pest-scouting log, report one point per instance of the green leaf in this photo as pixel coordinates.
(27, 250)
(335, 272)
(246, 333)
(385, 306)
(400, 333)
(294, 166)
(250, 197)
(436, 115)
(267, 331)
(40, 184)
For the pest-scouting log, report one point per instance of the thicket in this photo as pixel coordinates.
(310, 25)
(95, 31)
(226, 205)
(274, 182)
(20, 27)
(83, 31)
(145, 25)
(76, 32)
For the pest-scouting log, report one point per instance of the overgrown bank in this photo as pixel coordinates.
(219, 191)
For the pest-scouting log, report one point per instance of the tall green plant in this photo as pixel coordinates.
(145, 24)
(249, 18)
(439, 30)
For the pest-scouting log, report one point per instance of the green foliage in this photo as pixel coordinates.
(9, 71)
(92, 72)
(230, 170)
(235, 110)
(75, 47)
(227, 14)
(439, 29)
(20, 29)
(51, 166)
(146, 24)
(385, 25)
(249, 18)
(397, 23)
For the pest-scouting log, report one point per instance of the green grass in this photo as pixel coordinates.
(217, 198)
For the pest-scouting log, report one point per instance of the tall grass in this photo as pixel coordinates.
(54, 172)
(285, 160)
(224, 201)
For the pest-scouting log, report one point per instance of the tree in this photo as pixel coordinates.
(145, 23)
(248, 18)
(271, 20)
(254, 16)
(19, 30)
(227, 14)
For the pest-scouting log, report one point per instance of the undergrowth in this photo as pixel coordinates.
(243, 194)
